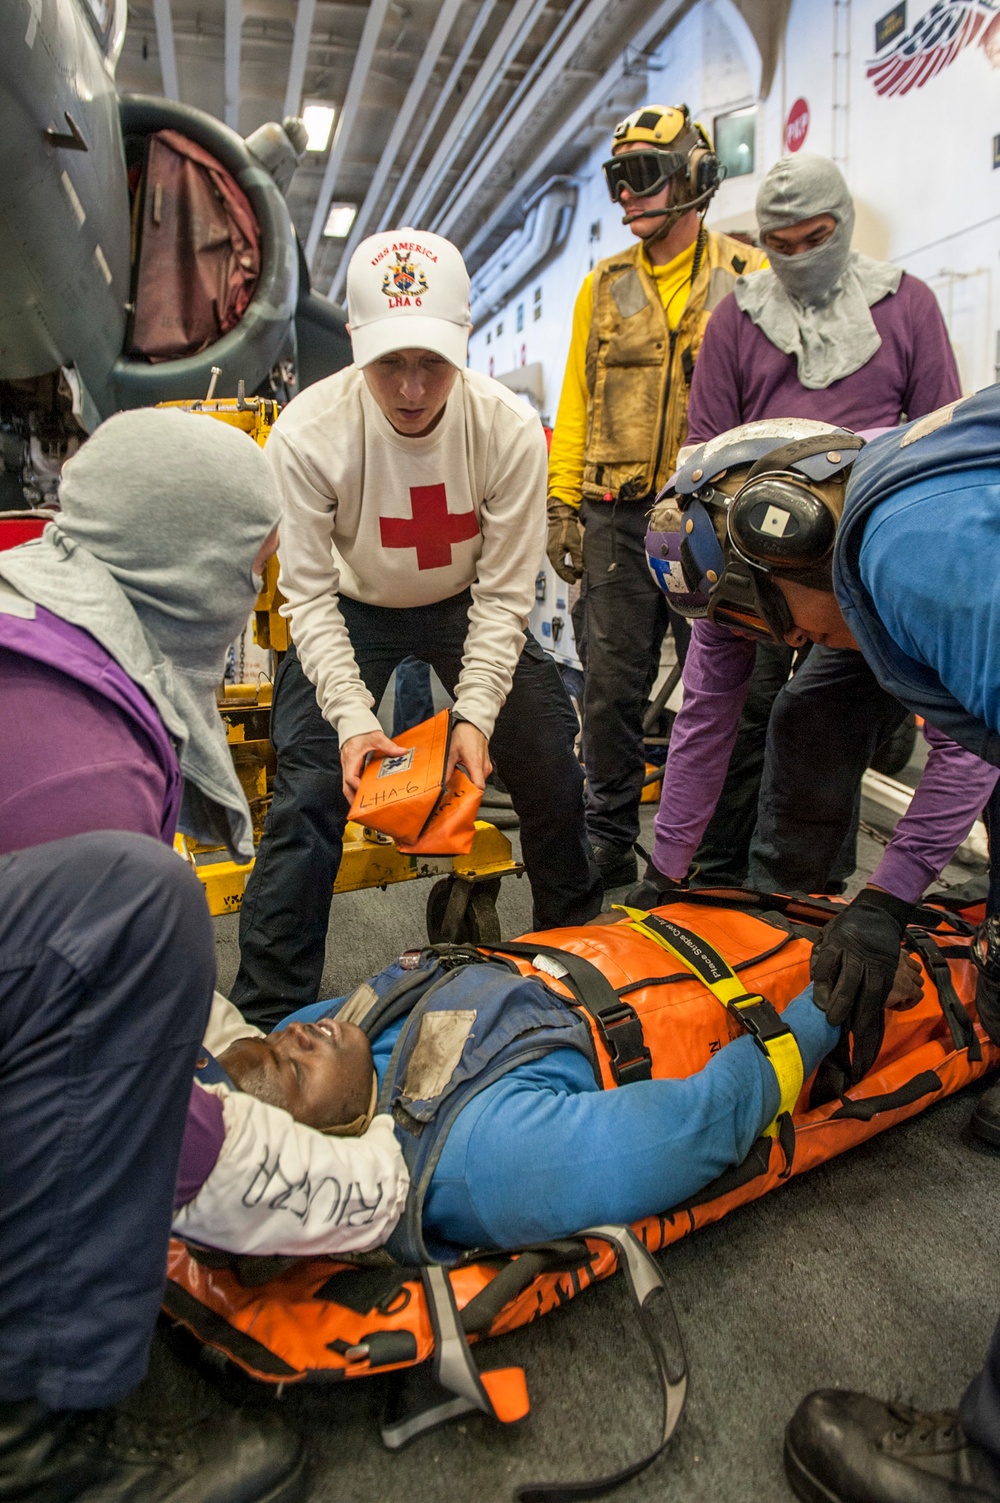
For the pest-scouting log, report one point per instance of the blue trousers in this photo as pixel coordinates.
(286, 910)
(107, 963)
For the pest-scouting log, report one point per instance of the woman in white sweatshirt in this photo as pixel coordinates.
(413, 523)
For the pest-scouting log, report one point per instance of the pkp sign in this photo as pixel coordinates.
(797, 125)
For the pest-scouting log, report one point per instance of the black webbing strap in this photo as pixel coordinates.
(658, 1321)
(815, 911)
(617, 1021)
(960, 1025)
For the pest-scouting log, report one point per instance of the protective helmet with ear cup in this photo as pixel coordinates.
(660, 127)
(784, 518)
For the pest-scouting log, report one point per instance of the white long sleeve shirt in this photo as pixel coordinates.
(281, 1188)
(401, 522)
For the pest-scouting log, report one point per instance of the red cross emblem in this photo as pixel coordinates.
(431, 529)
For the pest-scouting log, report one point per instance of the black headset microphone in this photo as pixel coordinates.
(678, 209)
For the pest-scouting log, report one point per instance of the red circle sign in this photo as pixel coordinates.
(797, 125)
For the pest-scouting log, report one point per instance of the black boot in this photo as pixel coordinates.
(106, 1456)
(848, 1448)
(617, 864)
(985, 1119)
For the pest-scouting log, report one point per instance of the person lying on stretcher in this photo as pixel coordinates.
(529, 1148)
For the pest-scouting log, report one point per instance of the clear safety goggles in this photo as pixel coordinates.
(641, 172)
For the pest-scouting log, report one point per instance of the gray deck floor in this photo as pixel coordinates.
(878, 1271)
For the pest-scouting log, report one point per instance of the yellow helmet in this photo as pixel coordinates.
(653, 125)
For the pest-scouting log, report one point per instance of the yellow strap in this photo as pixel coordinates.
(783, 1051)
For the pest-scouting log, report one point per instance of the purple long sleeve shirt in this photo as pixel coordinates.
(741, 377)
(81, 746)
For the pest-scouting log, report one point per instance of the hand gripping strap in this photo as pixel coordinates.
(758, 1016)
(659, 1326)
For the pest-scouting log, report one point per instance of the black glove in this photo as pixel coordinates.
(853, 967)
(651, 891)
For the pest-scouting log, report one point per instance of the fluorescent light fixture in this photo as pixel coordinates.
(339, 220)
(319, 123)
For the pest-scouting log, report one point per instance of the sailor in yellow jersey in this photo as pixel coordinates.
(637, 327)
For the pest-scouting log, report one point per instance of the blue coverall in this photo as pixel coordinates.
(544, 1152)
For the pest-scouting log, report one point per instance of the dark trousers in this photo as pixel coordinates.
(724, 854)
(624, 618)
(286, 909)
(826, 725)
(107, 963)
(980, 1406)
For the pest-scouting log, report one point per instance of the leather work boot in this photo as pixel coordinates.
(845, 1447)
(985, 1119)
(104, 1456)
(617, 864)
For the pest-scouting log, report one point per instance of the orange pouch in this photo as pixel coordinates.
(406, 796)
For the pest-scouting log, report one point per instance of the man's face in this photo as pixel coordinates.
(804, 236)
(635, 210)
(319, 1072)
(817, 617)
(411, 388)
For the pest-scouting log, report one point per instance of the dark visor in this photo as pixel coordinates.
(641, 172)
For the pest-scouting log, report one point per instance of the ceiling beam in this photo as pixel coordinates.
(502, 141)
(165, 48)
(483, 14)
(300, 56)
(435, 44)
(345, 122)
(234, 26)
(522, 18)
(663, 19)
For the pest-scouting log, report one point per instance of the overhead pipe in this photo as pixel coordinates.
(345, 124)
(548, 217)
(435, 44)
(500, 142)
(656, 27)
(482, 15)
(523, 17)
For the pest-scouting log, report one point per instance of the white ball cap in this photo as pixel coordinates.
(408, 289)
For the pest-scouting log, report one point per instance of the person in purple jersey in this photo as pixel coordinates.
(114, 625)
(113, 630)
(830, 335)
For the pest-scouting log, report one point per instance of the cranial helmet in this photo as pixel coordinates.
(678, 150)
(762, 499)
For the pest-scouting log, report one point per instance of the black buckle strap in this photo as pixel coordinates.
(618, 1023)
(960, 1025)
(621, 1031)
(760, 1018)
